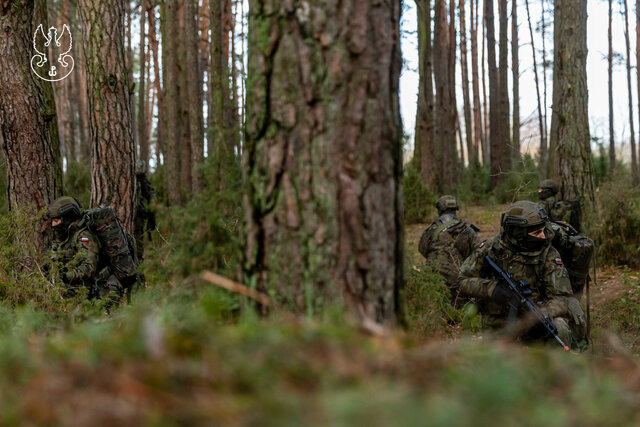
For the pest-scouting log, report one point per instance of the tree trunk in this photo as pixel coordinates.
(486, 148)
(494, 100)
(545, 98)
(503, 91)
(638, 53)
(424, 134)
(205, 25)
(194, 96)
(324, 156)
(612, 145)
(156, 82)
(184, 107)
(634, 160)
(143, 140)
(113, 148)
(171, 98)
(515, 69)
(468, 127)
(28, 124)
(570, 153)
(220, 149)
(541, 128)
(445, 115)
(478, 134)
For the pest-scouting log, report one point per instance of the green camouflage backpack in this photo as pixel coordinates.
(113, 241)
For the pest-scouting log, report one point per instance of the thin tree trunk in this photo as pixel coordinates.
(545, 98)
(515, 69)
(612, 145)
(217, 146)
(113, 148)
(142, 109)
(171, 97)
(28, 123)
(184, 107)
(194, 86)
(205, 67)
(634, 160)
(638, 54)
(486, 148)
(156, 82)
(541, 129)
(468, 127)
(478, 131)
(503, 90)
(494, 108)
(342, 165)
(570, 148)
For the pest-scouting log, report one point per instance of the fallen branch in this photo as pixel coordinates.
(236, 287)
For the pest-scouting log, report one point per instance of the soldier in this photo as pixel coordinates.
(523, 249)
(447, 242)
(557, 210)
(145, 209)
(76, 259)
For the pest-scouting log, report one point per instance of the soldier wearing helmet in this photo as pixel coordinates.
(523, 249)
(447, 242)
(76, 260)
(555, 209)
(145, 216)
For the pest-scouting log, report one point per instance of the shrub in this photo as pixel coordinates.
(521, 183)
(418, 199)
(475, 185)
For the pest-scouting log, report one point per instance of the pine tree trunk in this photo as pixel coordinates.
(478, 134)
(194, 96)
(634, 160)
(424, 134)
(468, 127)
(543, 28)
(156, 82)
(219, 148)
(143, 140)
(184, 107)
(541, 128)
(324, 156)
(570, 150)
(486, 148)
(638, 55)
(612, 145)
(445, 115)
(171, 99)
(494, 100)
(28, 124)
(515, 69)
(113, 148)
(503, 91)
(205, 66)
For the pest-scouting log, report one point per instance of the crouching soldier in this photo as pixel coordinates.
(523, 251)
(447, 242)
(76, 257)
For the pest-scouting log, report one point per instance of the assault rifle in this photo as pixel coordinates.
(520, 300)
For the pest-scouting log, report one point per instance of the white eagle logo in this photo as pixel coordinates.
(59, 47)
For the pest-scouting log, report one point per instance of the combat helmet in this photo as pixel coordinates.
(141, 167)
(519, 220)
(547, 188)
(447, 203)
(65, 207)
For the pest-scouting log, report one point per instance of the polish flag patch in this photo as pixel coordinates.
(84, 239)
(558, 261)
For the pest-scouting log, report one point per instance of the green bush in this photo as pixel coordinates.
(475, 185)
(615, 224)
(418, 199)
(521, 183)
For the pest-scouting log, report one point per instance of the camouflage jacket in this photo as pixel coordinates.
(446, 243)
(557, 210)
(543, 270)
(78, 255)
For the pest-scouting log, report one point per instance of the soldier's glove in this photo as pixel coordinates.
(501, 294)
(576, 313)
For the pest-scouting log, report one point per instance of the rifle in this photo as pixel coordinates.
(521, 301)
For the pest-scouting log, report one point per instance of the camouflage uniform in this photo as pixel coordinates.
(145, 217)
(76, 252)
(557, 210)
(538, 263)
(446, 243)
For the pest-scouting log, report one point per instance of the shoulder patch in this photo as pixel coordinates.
(84, 239)
(481, 245)
(558, 261)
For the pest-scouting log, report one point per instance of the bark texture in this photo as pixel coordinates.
(570, 153)
(478, 134)
(612, 144)
(323, 155)
(503, 92)
(495, 134)
(143, 139)
(515, 70)
(28, 123)
(466, 98)
(634, 160)
(108, 91)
